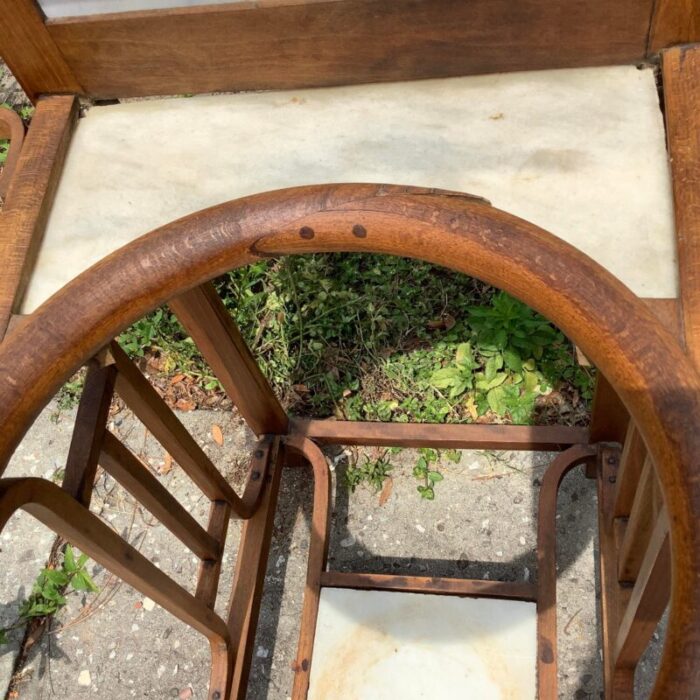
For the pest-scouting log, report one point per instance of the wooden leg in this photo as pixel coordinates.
(88, 434)
(547, 567)
(207, 320)
(609, 417)
(250, 576)
(30, 196)
(318, 552)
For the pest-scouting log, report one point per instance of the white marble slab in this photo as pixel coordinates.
(383, 645)
(580, 152)
(76, 8)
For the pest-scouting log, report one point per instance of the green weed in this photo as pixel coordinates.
(48, 594)
(372, 472)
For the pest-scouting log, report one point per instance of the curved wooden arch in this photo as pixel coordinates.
(639, 357)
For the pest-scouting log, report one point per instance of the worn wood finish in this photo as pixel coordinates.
(31, 53)
(648, 601)
(12, 128)
(457, 437)
(280, 44)
(639, 527)
(547, 566)
(641, 359)
(56, 509)
(30, 196)
(618, 686)
(439, 586)
(264, 454)
(249, 576)
(674, 22)
(143, 400)
(206, 319)
(210, 569)
(609, 416)
(123, 465)
(318, 552)
(88, 433)
(681, 80)
(634, 453)
(668, 311)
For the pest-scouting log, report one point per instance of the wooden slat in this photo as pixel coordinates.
(438, 586)
(280, 44)
(31, 53)
(637, 532)
(681, 81)
(473, 436)
(212, 328)
(547, 566)
(59, 511)
(118, 461)
(30, 196)
(210, 569)
(634, 453)
(674, 22)
(249, 577)
(89, 431)
(143, 400)
(617, 686)
(649, 598)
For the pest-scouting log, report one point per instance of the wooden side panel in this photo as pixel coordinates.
(31, 53)
(30, 196)
(681, 77)
(282, 44)
(674, 22)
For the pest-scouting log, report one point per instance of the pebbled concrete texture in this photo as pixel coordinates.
(117, 643)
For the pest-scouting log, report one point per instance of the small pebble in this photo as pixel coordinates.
(347, 542)
(84, 679)
(148, 604)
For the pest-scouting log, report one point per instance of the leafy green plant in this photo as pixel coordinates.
(48, 594)
(424, 472)
(459, 376)
(4, 150)
(372, 472)
(512, 327)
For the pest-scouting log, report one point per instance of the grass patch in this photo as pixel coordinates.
(370, 337)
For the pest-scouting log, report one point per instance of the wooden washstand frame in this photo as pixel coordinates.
(643, 442)
(643, 362)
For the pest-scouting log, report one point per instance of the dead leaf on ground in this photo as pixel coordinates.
(177, 378)
(217, 434)
(386, 491)
(446, 322)
(185, 405)
(167, 464)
